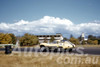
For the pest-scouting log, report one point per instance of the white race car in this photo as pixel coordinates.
(58, 45)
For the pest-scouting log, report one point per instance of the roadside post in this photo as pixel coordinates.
(8, 49)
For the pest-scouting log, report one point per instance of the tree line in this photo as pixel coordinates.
(25, 40)
(7, 38)
(30, 39)
(92, 40)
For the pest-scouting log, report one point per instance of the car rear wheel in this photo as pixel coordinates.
(70, 50)
(44, 49)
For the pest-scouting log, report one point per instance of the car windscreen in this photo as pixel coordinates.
(54, 42)
(69, 42)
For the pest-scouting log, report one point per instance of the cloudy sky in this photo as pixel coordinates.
(50, 17)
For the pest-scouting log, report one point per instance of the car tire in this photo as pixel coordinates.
(70, 50)
(42, 48)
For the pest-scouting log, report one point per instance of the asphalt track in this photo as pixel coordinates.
(79, 50)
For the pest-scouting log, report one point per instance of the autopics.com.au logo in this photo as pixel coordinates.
(77, 56)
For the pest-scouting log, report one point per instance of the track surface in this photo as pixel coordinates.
(80, 50)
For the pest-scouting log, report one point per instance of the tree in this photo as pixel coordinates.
(80, 38)
(14, 39)
(73, 40)
(95, 42)
(84, 42)
(91, 37)
(65, 38)
(89, 41)
(5, 38)
(52, 39)
(28, 40)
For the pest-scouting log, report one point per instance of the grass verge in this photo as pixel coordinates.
(88, 46)
(48, 60)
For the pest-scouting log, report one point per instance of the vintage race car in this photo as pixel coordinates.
(58, 45)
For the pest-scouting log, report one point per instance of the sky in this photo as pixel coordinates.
(50, 17)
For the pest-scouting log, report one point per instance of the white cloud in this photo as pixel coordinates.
(50, 25)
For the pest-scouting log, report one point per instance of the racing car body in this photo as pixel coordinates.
(58, 44)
